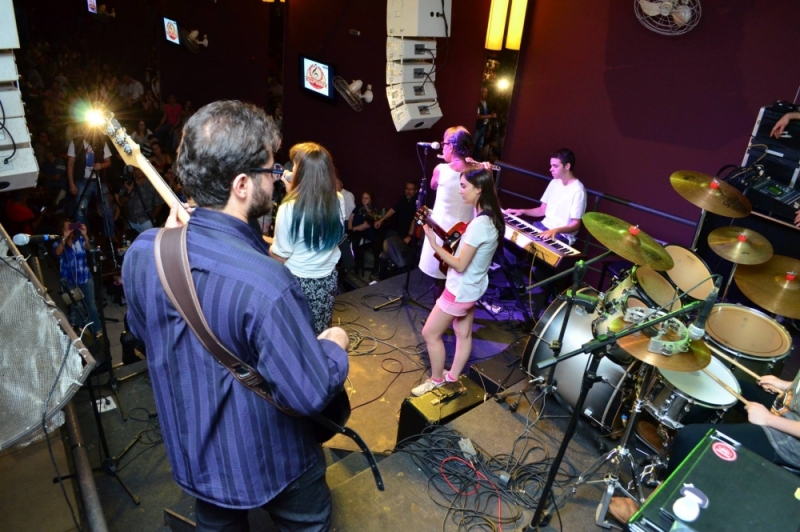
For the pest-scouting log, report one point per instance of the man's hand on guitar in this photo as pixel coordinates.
(336, 335)
(172, 219)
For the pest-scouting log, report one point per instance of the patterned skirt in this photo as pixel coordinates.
(321, 295)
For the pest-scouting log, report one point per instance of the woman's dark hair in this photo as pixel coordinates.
(487, 202)
(566, 157)
(220, 141)
(461, 139)
(316, 209)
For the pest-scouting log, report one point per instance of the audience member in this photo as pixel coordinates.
(71, 250)
(143, 202)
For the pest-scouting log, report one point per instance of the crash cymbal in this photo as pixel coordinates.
(740, 245)
(627, 241)
(696, 358)
(710, 194)
(773, 285)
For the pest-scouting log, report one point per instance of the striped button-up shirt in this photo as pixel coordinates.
(227, 445)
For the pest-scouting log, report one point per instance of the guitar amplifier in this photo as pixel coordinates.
(744, 492)
(438, 407)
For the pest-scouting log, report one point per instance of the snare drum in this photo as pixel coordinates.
(754, 339)
(672, 394)
(689, 270)
(646, 285)
(569, 373)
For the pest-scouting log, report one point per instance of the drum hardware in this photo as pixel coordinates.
(572, 298)
(627, 241)
(772, 285)
(740, 246)
(596, 349)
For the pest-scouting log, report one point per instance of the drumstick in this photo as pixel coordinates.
(727, 388)
(739, 365)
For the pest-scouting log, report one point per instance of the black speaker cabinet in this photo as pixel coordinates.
(438, 407)
(497, 373)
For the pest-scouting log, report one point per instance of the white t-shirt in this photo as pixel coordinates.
(301, 261)
(472, 283)
(349, 201)
(87, 173)
(564, 203)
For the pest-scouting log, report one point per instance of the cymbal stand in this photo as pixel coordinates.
(596, 348)
(549, 387)
(616, 456)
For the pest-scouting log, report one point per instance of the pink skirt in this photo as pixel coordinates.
(447, 302)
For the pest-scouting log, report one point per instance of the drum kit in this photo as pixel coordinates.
(659, 369)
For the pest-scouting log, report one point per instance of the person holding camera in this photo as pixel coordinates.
(143, 202)
(71, 249)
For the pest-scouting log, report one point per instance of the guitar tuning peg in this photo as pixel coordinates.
(110, 131)
(127, 149)
(119, 139)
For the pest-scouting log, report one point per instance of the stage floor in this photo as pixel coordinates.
(386, 360)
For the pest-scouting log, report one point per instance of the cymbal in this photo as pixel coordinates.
(696, 358)
(710, 194)
(627, 241)
(740, 245)
(773, 285)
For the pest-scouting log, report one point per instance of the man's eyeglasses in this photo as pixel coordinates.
(447, 143)
(276, 171)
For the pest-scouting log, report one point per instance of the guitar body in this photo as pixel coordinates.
(338, 411)
(450, 239)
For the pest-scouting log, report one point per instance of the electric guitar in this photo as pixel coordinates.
(450, 239)
(132, 155)
(333, 419)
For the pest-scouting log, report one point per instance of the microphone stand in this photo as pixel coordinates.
(596, 348)
(422, 195)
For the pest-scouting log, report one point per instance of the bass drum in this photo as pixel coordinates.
(569, 373)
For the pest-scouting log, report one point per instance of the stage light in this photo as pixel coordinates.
(503, 84)
(516, 21)
(497, 25)
(95, 117)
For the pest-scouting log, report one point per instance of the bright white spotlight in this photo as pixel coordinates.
(95, 117)
(503, 84)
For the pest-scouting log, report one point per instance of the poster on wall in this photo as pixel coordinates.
(171, 30)
(316, 77)
(91, 5)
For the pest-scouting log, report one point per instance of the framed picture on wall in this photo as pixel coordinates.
(316, 77)
(171, 30)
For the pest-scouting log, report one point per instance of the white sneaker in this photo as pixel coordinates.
(426, 387)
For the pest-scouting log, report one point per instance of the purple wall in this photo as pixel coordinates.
(636, 106)
(368, 151)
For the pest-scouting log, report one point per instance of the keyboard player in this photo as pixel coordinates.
(563, 202)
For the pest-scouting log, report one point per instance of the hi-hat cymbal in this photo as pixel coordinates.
(627, 241)
(710, 194)
(773, 285)
(740, 245)
(696, 358)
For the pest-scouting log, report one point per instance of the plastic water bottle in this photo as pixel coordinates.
(90, 160)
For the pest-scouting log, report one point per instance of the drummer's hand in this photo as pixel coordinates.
(758, 414)
(773, 384)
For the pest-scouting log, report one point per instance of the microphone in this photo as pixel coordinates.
(22, 239)
(698, 328)
(434, 145)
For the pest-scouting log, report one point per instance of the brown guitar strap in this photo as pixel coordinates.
(172, 262)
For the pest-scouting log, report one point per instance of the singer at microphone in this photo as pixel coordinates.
(698, 328)
(23, 239)
(432, 145)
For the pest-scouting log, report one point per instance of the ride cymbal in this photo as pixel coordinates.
(627, 241)
(740, 245)
(696, 358)
(773, 285)
(710, 194)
